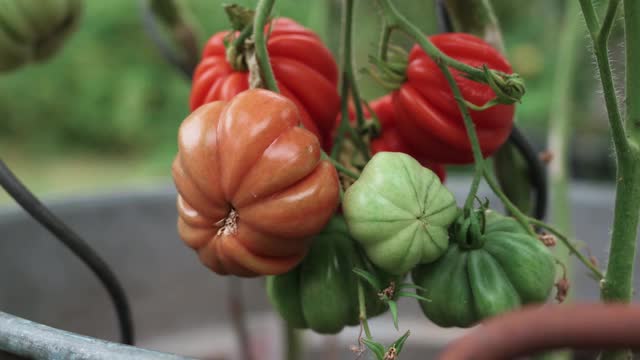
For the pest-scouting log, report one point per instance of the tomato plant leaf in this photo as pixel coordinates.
(369, 277)
(411, 286)
(393, 308)
(375, 348)
(413, 295)
(398, 344)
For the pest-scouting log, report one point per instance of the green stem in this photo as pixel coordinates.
(632, 29)
(238, 63)
(262, 14)
(607, 23)
(384, 42)
(600, 49)
(362, 306)
(293, 343)
(515, 212)
(349, 77)
(244, 34)
(617, 285)
(591, 18)
(395, 20)
(571, 246)
(340, 167)
(618, 282)
(471, 133)
(348, 85)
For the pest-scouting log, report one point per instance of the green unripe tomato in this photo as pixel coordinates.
(33, 30)
(399, 212)
(321, 293)
(505, 269)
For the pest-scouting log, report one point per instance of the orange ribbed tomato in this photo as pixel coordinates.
(303, 66)
(252, 187)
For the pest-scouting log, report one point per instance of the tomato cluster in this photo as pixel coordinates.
(257, 196)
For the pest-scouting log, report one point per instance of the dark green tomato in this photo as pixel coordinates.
(321, 293)
(509, 268)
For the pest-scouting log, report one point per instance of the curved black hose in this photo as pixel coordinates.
(537, 171)
(442, 15)
(75, 243)
(152, 28)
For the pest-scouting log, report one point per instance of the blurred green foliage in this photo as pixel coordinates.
(109, 91)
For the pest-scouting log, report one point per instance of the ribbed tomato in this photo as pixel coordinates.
(391, 141)
(429, 118)
(305, 69)
(252, 188)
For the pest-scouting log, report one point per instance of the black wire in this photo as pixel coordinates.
(152, 28)
(444, 21)
(537, 171)
(75, 243)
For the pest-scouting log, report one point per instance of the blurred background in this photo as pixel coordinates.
(104, 112)
(101, 117)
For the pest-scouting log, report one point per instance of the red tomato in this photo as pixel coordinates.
(428, 116)
(252, 188)
(389, 139)
(304, 68)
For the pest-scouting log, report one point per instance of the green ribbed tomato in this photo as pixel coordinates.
(477, 278)
(399, 212)
(33, 30)
(321, 293)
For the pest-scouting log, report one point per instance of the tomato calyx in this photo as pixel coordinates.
(468, 230)
(389, 73)
(241, 19)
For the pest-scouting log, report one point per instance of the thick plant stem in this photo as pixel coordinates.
(617, 285)
(262, 14)
(632, 110)
(600, 50)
